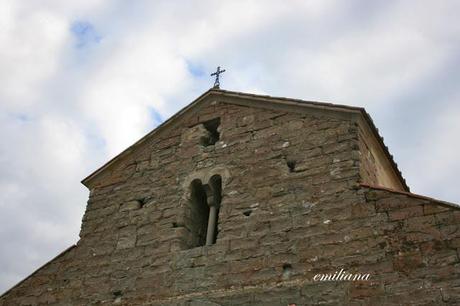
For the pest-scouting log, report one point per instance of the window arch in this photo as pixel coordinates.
(204, 206)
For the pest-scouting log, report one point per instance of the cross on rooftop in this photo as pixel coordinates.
(217, 73)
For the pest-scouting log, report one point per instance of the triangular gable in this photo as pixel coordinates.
(259, 101)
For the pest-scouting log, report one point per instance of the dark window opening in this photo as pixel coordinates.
(212, 126)
(199, 214)
(204, 212)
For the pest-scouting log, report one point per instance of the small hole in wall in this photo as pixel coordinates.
(174, 225)
(142, 202)
(117, 296)
(287, 270)
(291, 165)
(247, 212)
(117, 293)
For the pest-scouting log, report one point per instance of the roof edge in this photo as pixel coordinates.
(339, 107)
(386, 151)
(38, 269)
(283, 100)
(86, 180)
(410, 194)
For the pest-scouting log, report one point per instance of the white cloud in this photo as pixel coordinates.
(30, 45)
(67, 106)
(125, 84)
(433, 162)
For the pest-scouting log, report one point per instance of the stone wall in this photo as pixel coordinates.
(290, 209)
(375, 167)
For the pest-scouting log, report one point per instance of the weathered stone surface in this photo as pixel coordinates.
(131, 205)
(279, 224)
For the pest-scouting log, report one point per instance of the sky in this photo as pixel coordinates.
(81, 80)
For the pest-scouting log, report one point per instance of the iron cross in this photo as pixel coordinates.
(217, 73)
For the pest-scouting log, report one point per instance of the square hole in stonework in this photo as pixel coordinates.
(212, 126)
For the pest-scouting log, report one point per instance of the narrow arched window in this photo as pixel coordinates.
(215, 184)
(203, 219)
(199, 214)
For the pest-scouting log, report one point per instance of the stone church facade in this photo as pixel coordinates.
(243, 199)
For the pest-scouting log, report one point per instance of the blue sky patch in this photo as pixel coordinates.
(195, 69)
(23, 118)
(85, 34)
(156, 117)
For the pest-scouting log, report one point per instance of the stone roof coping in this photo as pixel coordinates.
(410, 194)
(41, 267)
